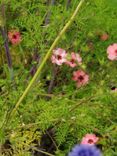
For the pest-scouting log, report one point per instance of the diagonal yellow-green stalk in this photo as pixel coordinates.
(46, 58)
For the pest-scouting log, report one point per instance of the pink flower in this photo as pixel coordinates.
(59, 56)
(89, 139)
(80, 77)
(104, 37)
(114, 89)
(112, 52)
(14, 37)
(75, 59)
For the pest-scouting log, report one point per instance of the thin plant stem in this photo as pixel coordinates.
(46, 153)
(3, 33)
(52, 140)
(45, 59)
(47, 20)
(52, 82)
(68, 4)
(5, 39)
(46, 95)
(8, 55)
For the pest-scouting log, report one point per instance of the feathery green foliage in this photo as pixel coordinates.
(67, 112)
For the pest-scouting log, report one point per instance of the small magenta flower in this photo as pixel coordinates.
(75, 60)
(90, 139)
(85, 150)
(80, 77)
(59, 56)
(14, 37)
(112, 52)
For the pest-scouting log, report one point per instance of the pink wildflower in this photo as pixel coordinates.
(80, 77)
(104, 37)
(112, 52)
(114, 89)
(90, 139)
(14, 37)
(59, 56)
(75, 59)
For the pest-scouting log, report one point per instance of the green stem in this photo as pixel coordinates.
(46, 58)
(38, 150)
(5, 38)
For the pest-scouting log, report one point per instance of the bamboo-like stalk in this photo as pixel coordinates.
(45, 59)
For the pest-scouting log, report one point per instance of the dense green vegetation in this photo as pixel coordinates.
(56, 114)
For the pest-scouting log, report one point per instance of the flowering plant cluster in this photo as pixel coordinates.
(72, 60)
(60, 57)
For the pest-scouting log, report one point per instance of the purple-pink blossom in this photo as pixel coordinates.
(59, 56)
